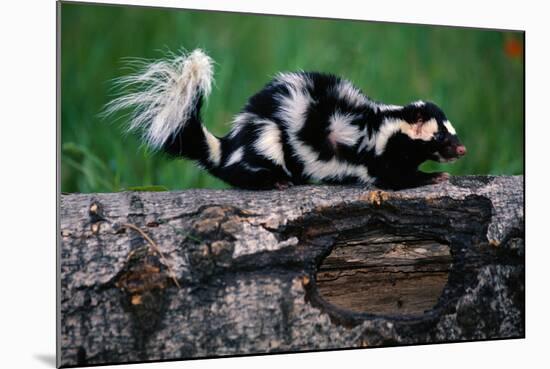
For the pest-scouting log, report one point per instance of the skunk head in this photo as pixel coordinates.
(431, 133)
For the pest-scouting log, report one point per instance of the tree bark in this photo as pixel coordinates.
(150, 276)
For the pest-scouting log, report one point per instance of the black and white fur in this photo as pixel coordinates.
(301, 127)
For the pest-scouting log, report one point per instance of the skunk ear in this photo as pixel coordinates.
(419, 116)
(415, 113)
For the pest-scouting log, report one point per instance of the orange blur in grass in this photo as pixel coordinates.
(513, 48)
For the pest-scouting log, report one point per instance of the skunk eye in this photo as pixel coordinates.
(439, 136)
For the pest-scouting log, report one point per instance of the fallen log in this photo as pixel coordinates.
(148, 276)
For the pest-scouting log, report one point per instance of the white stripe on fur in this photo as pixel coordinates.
(342, 131)
(235, 157)
(214, 147)
(345, 90)
(449, 127)
(386, 107)
(295, 81)
(239, 121)
(334, 168)
(293, 107)
(386, 130)
(420, 131)
(269, 143)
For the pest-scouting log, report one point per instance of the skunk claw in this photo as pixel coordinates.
(283, 185)
(441, 177)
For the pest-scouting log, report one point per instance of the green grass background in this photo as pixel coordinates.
(465, 71)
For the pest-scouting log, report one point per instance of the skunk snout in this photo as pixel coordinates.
(450, 151)
(461, 150)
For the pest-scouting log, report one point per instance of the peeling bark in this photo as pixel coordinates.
(231, 272)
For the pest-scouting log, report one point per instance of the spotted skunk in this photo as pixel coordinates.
(301, 127)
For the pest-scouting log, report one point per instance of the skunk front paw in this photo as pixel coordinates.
(440, 177)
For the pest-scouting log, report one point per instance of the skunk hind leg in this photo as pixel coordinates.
(242, 175)
(283, 185)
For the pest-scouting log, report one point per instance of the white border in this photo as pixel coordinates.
(27, 319)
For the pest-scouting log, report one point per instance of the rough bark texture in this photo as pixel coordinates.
(309, 268)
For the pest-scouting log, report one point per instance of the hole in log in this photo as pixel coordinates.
(382, 273)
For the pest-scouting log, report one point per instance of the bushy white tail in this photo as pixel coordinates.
(163, 94)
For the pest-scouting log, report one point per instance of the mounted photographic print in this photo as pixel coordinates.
(244, 184)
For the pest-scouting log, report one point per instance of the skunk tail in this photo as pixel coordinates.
(166, 98)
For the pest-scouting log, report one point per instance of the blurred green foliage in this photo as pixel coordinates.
(476, 76)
